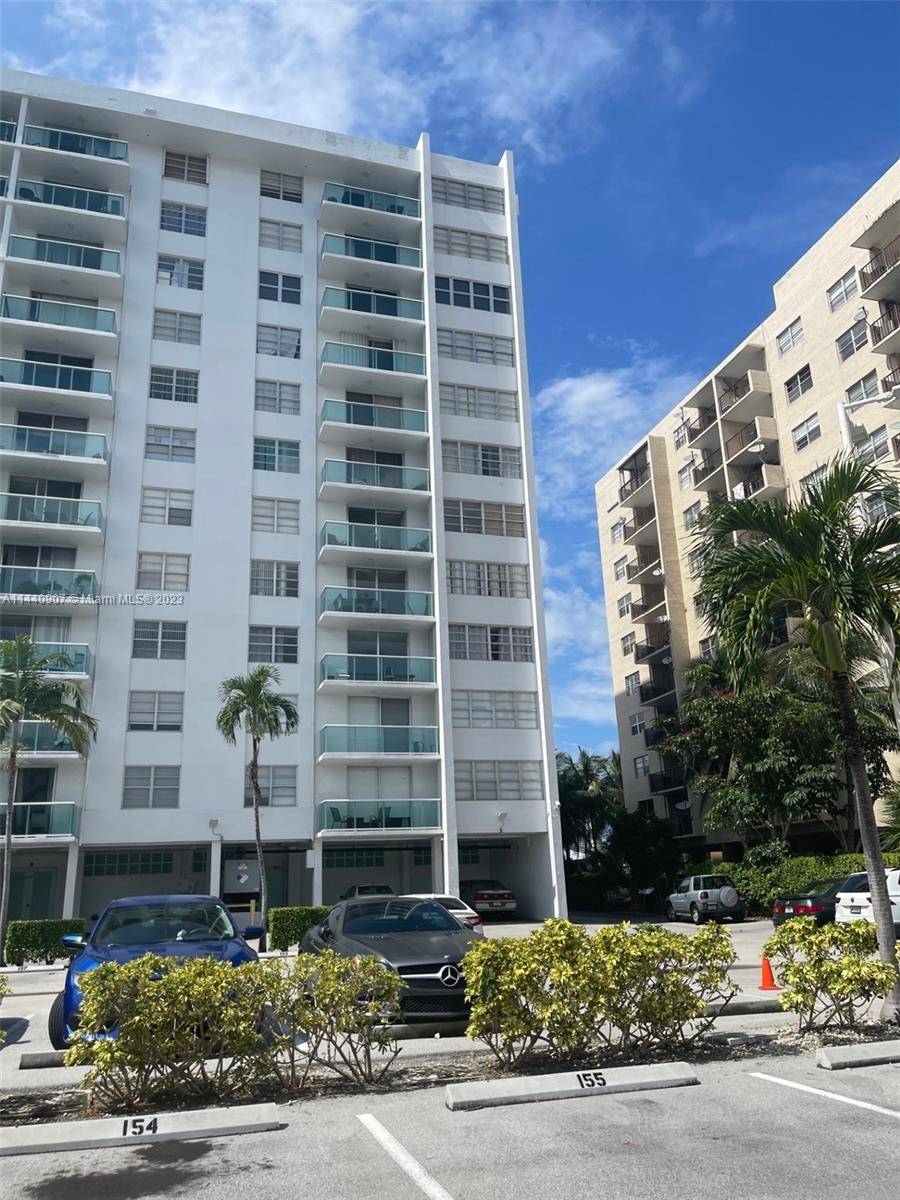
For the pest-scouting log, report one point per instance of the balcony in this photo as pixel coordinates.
(39, 738)
(698, 430)
(382, 202)
(885, 332)
(641, 529)
(650, 606)
(32, 820)
(47, 518)
(7, 131)
(709, 475)
(373, 313)
(646, 566)
(749, 395)
(891, 381)
(71, 659)
(745, 447)
(384, 266)
(879, 279)
(370, 482)
(660, 691)
(370, 214)
(654, 736)
(385, 425)
(61, 584)
(391, 673)
(68, 141)
(657, 647)
(79, 391)
(375, 607)
(341, 541)
(64, 266)
(376, 816)
(764, 484)
(58, 327)
(71, 455)
(368, 368)
(378, 743)
(637, 488)
(666, 781)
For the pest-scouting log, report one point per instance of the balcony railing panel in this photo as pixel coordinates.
(744, 437)
(376, 668)
(65, 443)
(887, 323)
(55, 312)
(50, 375)
(378, 303)
(376, 537)
(67, 254)
(51, 510)
(650, 598)
(37, 737)
(655, 644)
(65, 658)
(385, 252)
(386, 202)
(111, 204)
(7, 131)
(642, 517)
(48, 581)
(371, 358)
(732, 390)
(42, 820)
(710, 463)
(637, 480)
(706, 418)
(378, 739)
(665, 781)
(375, 416)
(642, 562)
(76, 143)
(377, 601)
(336, 470)
(379, 814)
(880, 263)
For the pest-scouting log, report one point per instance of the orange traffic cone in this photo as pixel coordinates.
(768, 983)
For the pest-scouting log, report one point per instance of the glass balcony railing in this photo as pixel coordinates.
(66, 254)
(66, 658)
(55, 312)
(386, 202)
(51, 510)
(37, 820)
(379, 814)
(377, 601)
(377, 303)
(376, 416)
(371, 358)
(376, 668)
(385, 252)
(376, 537)
(37, 737)
(65, 443)
(111, 204)
(4, 182)
(48, 581)
(378, 739)
(52, 375)
(7, 131)
(336, 470)
(75, 143)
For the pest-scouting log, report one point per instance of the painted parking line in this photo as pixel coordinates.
(404, 1159)
(804, 1087)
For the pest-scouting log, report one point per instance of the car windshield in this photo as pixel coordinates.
(493, 885)
(398, 916)
(856, 883)
(715, 881)
(374, 889)
(827, 887)
(149, 924)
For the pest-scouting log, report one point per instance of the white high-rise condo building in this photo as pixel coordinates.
(265, 400)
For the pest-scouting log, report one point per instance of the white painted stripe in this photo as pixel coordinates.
(404, 1159)
(804, 1087)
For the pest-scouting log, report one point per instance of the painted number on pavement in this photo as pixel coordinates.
(590, 1079)
(139, 1127)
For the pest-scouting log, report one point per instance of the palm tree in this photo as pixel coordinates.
(589, 786)
(28, 693)
(249, 703)
(820, 563)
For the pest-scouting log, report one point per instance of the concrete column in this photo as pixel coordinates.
(215, 866)
(68, 907)
(437, 863)
(317, 870)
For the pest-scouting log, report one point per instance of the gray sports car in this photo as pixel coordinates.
(418, 939)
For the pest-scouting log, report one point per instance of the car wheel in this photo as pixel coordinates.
(670, 913)
(56, 1025)
(696, 915)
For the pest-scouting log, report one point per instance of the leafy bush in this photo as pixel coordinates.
(288, 925)
(759, 884)
(4, 988)
(829, 974)
(38, 941)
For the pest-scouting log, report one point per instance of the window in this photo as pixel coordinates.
(467, 195)
(790, 337)
(475, 516)
(166, 506)
(877, 507)
(473, 458)
(642, 766)
(686, 476)
(681, 436)
(273, 286)
(278, 235)
(281, 187)
(199, 861)
(155, 712)
(170, 445)
(459, 401)
(695, 561)
(842, 291)
(798, 384)
(617, 530)
(646, 807)
(273, 643)
(692, 515)
(620, 567)
(128, 862)
(636, 723)
(182, 218)
(151, 787)
(163, 572)
(806, 432)
(494, 710)
(171, 326)
(189, 167)
(277, 785)
(466, 578)
(874, 446)
(628, 643)
(632, 683)
(274, 578)
(813, 478)
(174, 383)
(465, 244)
(476, 347)
(492, 643)
(275, 516)
(854, 339)
(709, 647)
(278, 341)
(466, 293)
(623, 605)
(180, 272)
(159, 639)
(341, 858)
(271, 454)
(497, 782)
(469, 856)
(864, 388)
(277, 397)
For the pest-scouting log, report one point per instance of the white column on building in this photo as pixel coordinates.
(318, 882)
(437, 863)
(68, 908)
(215, 866)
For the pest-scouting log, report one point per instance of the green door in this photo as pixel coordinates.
(31, 894)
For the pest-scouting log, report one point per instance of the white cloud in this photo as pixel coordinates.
(579, 651)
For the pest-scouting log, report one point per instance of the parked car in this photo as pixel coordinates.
(367, 889)
(173, 926)
(453, 904)
(701, 897)
(419, 939)
(818, 901)
(488, 896)
(854, 901)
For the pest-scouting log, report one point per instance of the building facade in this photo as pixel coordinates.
(265, 401)
(763, 423)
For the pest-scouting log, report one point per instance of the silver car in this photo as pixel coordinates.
(705, 897)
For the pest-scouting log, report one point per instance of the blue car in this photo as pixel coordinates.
(173, 926)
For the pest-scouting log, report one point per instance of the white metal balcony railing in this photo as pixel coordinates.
(61, 443)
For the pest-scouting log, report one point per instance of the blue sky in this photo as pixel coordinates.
(673, 160)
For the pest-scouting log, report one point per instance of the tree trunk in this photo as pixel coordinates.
(7, 840)
(871, 844)
(257, 797)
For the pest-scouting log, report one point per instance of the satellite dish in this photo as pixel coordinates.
(682, 805)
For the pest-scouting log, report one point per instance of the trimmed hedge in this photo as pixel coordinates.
(760, 885)
(38, 941)
(288, 925)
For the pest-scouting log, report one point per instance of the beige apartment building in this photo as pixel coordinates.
(817, 373)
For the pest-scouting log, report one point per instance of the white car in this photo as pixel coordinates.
(854, 901)
(367, 889)
(453, 905)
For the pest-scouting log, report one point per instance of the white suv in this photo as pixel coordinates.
(854, 902)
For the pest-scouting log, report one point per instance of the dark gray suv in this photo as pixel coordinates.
(705, 897)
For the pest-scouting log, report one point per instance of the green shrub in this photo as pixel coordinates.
(759, 885)
(288, 925)
(38, 941)
(829, 974)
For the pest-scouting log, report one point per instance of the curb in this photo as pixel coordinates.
(568, 1085)
(33, 1060)
(867, 1054)
(745, 1007)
